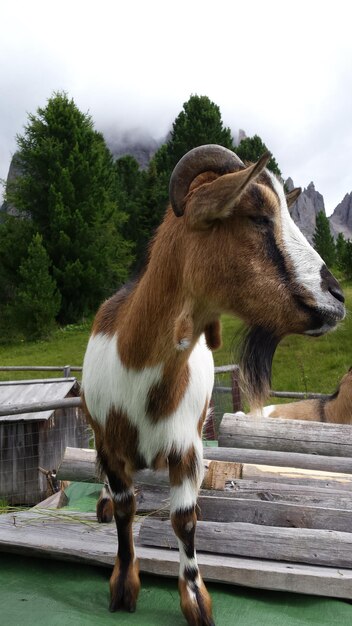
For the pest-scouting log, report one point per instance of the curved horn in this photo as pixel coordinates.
(210, 157)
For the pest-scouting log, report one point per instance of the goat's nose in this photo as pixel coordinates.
(330, 284)
(337, 293)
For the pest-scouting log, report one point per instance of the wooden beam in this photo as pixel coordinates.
(248, 431)
(155, 498)
(316, 547)
(224, 508)
(18, 409)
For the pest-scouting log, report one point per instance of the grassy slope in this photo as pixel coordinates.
(300, 363)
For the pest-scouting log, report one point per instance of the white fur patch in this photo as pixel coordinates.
(108, 384)
(267, 410)
(183, 344)
(184, 496)
(306, 261)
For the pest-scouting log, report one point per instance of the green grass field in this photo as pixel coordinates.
(300, 363)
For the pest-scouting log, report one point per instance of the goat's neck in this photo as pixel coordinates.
(161, 322)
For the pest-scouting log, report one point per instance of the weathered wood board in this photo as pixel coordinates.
(318, 547)
(222, 506)
(249, 431)
(77, 537)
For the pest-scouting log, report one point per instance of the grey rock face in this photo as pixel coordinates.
(306, 208)
(14, 171)
(341, 219)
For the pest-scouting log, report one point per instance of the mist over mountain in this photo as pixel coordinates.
(135, 143)
(304, 211)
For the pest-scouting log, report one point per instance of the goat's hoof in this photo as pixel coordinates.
(124, 588)
(123, 600)
(105, 510)
(196, 603)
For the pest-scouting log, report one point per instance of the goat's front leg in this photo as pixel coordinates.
(186, 473)
(124, 581)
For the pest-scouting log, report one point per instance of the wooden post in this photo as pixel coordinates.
(236, 391)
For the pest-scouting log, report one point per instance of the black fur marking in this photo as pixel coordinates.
(191, 573)
(124, 548)
(275, 255)
(329, 283)
(257, 351)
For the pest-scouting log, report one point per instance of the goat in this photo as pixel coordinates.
(335, 408)
(226, 244)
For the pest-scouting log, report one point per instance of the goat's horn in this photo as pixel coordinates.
(208, 158)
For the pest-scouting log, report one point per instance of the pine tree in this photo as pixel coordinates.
(323, 240)
(198, 123)
(340, 251)
(252, 148)
(347, 259)
(37, 300)
(67, 187)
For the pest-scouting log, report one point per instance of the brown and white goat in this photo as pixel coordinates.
(334, 409)
(228, 244)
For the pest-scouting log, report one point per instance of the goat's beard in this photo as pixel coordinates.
(256, 352)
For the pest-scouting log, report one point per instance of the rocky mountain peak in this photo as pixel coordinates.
(341, 219)
(306, 208)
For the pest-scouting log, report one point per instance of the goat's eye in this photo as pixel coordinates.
(260, 220)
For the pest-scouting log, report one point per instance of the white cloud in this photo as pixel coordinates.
(282, 71)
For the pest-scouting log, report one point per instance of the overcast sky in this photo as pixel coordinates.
(281, 70)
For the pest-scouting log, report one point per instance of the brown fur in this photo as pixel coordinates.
(165, 396)
(213, 335)
(124, 587)
(181, 467)
(336, 409)
(104, 510)
(202, 419)
(197, 613)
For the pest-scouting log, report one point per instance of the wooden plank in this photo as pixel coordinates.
(297, 476)
(281, 459)
(318, 547)
(284, 492)
(249, 431)
(154, 497)
(55, 501)
(224, 508)
(82, 540)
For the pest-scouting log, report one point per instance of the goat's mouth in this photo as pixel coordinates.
(325, 320)
(321, 317)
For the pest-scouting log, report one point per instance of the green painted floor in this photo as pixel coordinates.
(37, 592)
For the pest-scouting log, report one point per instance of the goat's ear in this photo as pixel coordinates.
(292, 196)
(217, 199)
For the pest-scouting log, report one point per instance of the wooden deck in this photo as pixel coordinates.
(78, 537)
